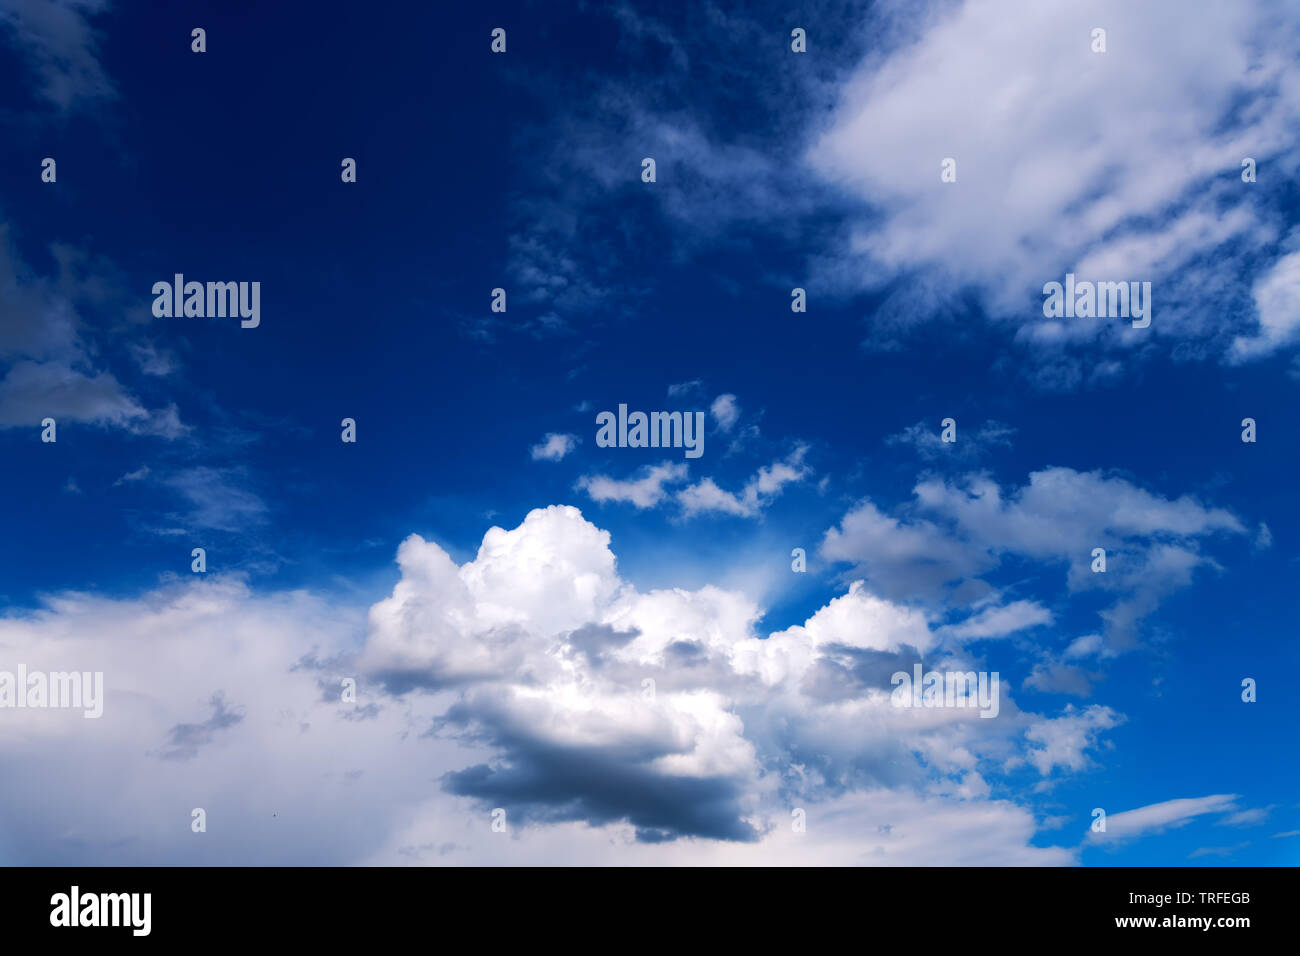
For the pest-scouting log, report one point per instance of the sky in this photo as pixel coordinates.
(567, 650)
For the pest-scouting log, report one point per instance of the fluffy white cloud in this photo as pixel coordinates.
(1121, 165)
(705, 496)
(1064, 741)
(531, 678)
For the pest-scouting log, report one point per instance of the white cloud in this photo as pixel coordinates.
(1277, 301)
(649, 489)
(554, 447)
(725, 411)
(1089, 645)
(902, 558)
(705, 496)
(871, 828)
(516, 680)
(1246, 818)
(1062, 512)
(1156, 817)
(1121, 165)
(644, 492)
(952, 533)
(1001, 621)
(1063, 741)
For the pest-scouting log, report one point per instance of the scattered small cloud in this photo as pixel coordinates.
(554, 447)
(643, 492)
(725, 411)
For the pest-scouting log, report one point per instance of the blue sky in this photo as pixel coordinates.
(503, 668)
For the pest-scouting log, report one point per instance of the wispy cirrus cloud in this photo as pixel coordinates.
(61, 48)
(1131, 824)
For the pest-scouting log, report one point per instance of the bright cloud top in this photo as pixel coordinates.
(532, 678)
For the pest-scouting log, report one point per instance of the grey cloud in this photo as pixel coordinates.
(185, 740)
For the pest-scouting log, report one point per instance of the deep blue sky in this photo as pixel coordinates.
(478, 171)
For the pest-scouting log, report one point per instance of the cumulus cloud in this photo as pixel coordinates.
(531, 678)
(554, 674)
